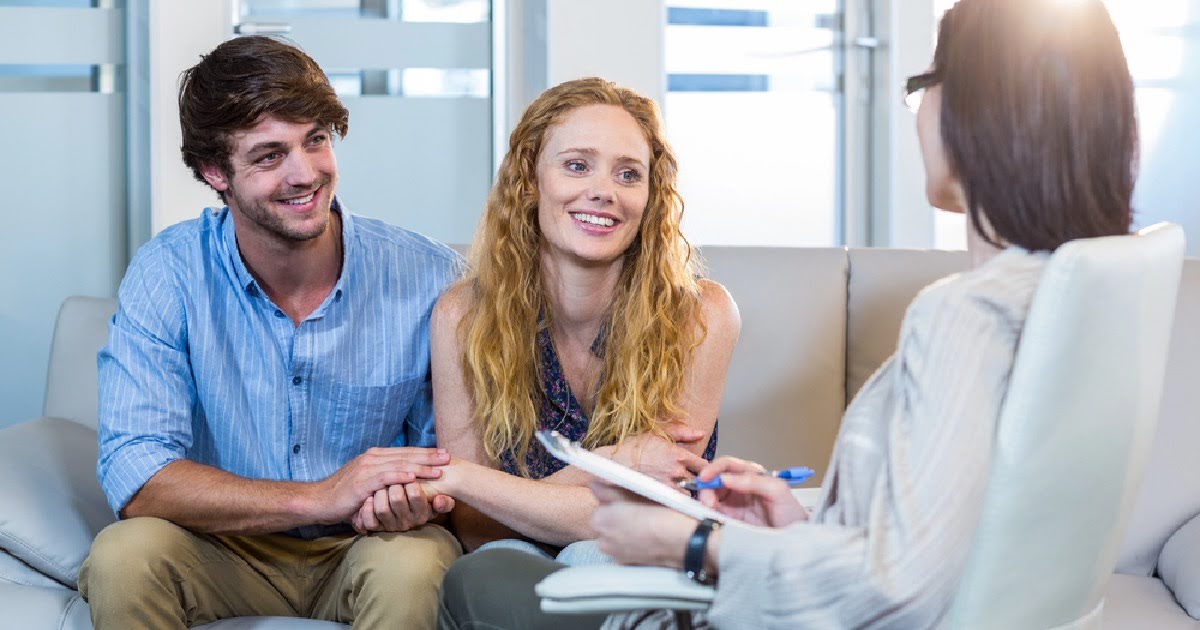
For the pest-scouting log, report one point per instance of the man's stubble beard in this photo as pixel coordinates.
(263, 215)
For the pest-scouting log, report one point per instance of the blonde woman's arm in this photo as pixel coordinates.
(704, 382)
(699, 402)
(491, 504)
(494, 504)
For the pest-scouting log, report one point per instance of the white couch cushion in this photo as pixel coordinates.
(14, 571)
(1179, 566)
(1170, 492)
(34, 607)
(1138, 603)
(53, 504)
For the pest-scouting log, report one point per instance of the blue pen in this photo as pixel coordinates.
(794, 476)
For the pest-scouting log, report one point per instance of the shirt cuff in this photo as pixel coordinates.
(123, 473)
(744, 568)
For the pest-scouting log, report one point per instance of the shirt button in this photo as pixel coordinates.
(296, 448)
(296, 380)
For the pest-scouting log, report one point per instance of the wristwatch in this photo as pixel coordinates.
(693, 557)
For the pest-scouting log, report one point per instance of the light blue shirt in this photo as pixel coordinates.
(200, 364)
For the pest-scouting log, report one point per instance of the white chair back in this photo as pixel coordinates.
(1073, 435)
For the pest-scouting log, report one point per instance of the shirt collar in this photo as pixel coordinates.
(247, 281)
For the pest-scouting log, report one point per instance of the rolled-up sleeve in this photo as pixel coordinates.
(147, 393)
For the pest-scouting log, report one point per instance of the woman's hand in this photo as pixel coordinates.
(666, 461)
(635, 531)
(399, 508)
(749, 495)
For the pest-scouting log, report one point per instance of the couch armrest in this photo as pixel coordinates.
(1179, 566)
(52, 506)
(610, 588)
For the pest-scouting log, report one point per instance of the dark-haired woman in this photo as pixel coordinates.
(1027, 125)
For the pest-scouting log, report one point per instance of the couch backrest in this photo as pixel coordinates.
(882, 283)
(815, 324)
(784, 394)
(79, 333)
(1170, 493)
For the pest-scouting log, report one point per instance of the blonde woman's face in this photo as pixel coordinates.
(593, 178)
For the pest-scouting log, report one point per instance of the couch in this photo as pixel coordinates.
(815, 324)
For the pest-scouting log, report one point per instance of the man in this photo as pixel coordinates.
(266, 381)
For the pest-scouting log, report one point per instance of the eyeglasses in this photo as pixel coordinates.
(915, 86)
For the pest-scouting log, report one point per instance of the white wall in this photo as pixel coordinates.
(1166, 66)
(619, 40)
(902, 215)
(180, 32)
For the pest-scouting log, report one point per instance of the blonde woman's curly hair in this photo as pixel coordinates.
(655, 317)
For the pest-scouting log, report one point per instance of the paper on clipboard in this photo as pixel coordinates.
(626, 477)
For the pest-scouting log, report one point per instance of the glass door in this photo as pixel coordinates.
(62, 93)
(754, 109)
(416, 77)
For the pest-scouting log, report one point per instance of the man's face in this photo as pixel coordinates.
(282, 181)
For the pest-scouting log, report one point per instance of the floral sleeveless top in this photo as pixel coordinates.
(558, 410)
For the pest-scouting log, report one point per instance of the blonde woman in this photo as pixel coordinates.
(583, 312)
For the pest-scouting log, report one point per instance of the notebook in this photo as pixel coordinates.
(628, 478)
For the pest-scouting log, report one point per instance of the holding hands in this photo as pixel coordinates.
(381, 490)
(399, 508)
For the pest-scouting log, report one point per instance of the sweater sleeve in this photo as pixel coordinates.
(893, 557)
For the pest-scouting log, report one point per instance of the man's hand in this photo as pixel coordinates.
(400, 508)
(664, 460)
(340, 496)
(749, 495)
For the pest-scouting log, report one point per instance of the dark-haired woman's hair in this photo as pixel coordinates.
(1038, 119)
(241, 81)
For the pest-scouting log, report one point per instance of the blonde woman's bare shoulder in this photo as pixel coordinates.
(719, 311)
(452, 305)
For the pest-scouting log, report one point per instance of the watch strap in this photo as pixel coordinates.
(697, 545)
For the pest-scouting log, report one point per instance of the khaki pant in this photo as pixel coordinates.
(150, 573)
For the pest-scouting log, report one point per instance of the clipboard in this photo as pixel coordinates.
(628, 478)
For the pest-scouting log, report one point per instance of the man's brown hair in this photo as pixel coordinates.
(241, 81)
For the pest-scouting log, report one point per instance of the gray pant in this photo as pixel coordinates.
(579, 553)
(493, 590)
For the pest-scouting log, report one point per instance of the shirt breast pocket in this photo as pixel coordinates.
(369, 415)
